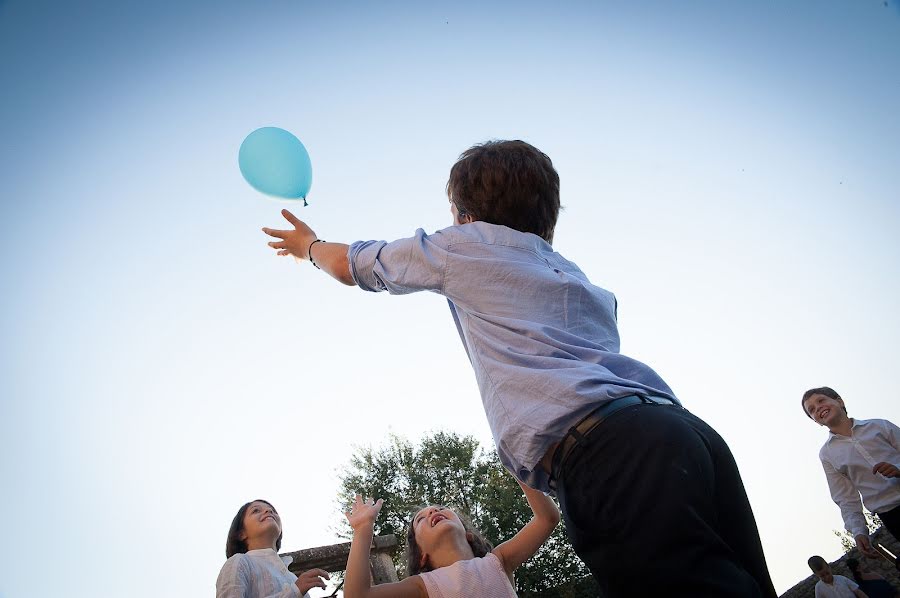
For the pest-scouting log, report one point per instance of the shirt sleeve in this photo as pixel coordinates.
(234, 579)
(399, 267)
(893, 433)
(845, 496)
(851, 585)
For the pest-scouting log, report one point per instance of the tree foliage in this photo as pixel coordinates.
(848, 542)
(445, 468)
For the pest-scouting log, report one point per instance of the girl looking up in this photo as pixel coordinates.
(253, 568)
(447, 558)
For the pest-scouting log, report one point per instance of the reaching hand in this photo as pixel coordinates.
(363, 512)
(311, 579)
(865, 546)
(886, 469)
(293, 242)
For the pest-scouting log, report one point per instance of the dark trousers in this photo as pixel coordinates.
(654, 505)
(891, 520)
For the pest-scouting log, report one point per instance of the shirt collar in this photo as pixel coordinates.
(269, 553)
(856, 423)
(498, 233)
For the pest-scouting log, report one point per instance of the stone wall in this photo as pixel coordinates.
(806, 588)
(333, 558)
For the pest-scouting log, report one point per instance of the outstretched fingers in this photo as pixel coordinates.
(280, 234)
(291, 218)
(363, 510)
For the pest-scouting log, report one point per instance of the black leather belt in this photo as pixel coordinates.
(577, 432)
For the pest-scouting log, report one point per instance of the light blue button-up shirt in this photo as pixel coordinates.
(541, 338)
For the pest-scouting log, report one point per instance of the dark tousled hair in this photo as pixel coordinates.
(233, 543)
(822, 390)
(816, 563)
(479, 544)
(511, 183)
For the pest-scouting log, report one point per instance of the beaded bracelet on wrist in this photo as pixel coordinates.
(309, 252)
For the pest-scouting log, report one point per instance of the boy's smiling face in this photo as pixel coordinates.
(825, 410)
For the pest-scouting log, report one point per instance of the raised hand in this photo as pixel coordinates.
(293, 242)
(363, 513)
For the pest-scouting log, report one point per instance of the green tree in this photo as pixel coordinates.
(848, 542)
(445, 468)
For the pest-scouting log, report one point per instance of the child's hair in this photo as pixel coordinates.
(822, 390)
(478, 543)
(507, 182)
(816, 563)
(234, 544)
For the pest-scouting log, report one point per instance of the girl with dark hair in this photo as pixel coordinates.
(448, 558)
(253, 568)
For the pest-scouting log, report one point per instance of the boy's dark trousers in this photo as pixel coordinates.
(654, 505)
(891, 520)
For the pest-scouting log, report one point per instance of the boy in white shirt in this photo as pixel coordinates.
(860, 458)
(830, 585)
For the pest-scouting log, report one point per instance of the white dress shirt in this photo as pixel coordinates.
(848, 463)
(840, 587)
(257, 574)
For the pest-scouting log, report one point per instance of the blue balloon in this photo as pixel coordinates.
(275, 162)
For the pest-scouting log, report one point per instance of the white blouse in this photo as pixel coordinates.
(257, 574)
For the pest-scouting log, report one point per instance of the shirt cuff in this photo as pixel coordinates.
(362, 256)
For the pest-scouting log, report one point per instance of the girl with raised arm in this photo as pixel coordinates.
(447, 557)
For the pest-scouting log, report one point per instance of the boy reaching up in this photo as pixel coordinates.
(640, 480)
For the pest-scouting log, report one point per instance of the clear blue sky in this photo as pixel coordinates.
(730, 170)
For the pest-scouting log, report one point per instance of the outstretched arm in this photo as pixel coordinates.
(303, 244)
(524, 544)
(357, 580)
